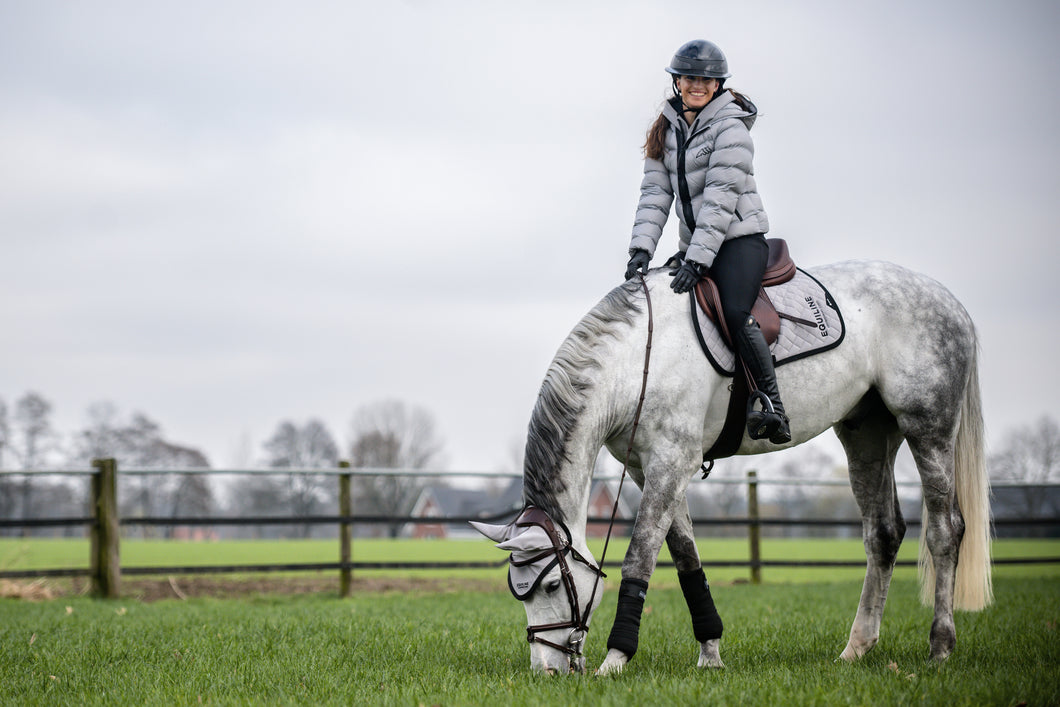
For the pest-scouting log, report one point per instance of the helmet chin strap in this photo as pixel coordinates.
(680, 97)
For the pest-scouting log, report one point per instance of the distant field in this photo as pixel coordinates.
(17, 554)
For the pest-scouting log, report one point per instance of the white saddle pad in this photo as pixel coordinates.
(810, 322)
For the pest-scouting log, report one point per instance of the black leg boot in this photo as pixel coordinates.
(770, 421)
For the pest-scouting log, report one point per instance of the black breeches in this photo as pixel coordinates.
(737, 270)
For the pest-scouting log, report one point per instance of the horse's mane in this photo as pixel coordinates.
(563, 397)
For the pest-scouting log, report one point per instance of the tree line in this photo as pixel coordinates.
(384, 434)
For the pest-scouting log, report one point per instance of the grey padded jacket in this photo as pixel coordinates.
(712, 176)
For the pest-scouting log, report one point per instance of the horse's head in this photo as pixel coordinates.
(559, 586)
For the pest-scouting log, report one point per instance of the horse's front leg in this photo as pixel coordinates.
(662, 491)
(706, 623)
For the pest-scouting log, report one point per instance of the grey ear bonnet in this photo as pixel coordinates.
(525, 573)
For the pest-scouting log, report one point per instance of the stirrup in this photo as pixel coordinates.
(766, 423)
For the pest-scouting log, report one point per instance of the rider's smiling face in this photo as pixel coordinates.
(696, 91)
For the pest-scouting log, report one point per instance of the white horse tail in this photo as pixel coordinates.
(973, 589)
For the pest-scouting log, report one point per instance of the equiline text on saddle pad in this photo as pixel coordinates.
(810, 322)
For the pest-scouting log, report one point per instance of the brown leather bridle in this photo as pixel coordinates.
(561, 549)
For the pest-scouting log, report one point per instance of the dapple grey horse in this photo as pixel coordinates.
(906, 371)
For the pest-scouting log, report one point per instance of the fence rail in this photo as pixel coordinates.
(105, 570)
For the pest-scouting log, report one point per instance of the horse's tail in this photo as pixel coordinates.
(973, 588)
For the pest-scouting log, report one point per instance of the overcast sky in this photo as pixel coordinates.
(228, 214)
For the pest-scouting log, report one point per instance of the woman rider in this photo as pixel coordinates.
(699, 149)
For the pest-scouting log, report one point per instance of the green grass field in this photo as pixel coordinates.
(467, 647)
(461, 648)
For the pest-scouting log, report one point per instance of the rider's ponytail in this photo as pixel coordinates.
(655, 144)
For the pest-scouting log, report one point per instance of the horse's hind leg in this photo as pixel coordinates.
(943, 530)
(706, 624)
(871, 439)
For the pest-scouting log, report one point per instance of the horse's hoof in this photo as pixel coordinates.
(940, 654)
(710, 655)
(613, 663)
(851, 654)
(943, 639)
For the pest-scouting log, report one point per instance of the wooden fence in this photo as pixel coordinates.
(105, 570)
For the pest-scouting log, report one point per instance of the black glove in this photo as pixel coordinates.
(675, 260)
(638, 261)
(686, 276)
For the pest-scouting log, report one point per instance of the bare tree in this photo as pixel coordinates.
(259, 496)
(32, 442)
(7, 485)
(5, 432)
(140, 444)
(308, 447)
(1029, 454)
(33, 439)
(390, 435)
(182, 494)
(799, 501)
(33, 436)
(101, 437)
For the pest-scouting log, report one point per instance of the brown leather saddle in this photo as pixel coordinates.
(779, 269)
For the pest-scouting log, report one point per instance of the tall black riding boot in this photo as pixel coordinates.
(770, 421)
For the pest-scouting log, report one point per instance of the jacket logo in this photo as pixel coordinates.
(703, 152)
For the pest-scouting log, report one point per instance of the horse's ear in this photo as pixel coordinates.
(532, 539)
(496, 533)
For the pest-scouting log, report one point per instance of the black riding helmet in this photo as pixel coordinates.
(699, 58)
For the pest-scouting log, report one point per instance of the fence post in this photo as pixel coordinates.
(754, 529)
(345, 532)
(105, 562)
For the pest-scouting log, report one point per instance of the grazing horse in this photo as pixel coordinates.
(907, 371)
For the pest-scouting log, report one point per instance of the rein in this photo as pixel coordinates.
(632, 434)
(579, 622)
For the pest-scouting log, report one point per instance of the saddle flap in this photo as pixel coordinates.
(709, 300)
(766, 315)
(780, 268)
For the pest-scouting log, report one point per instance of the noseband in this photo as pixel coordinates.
(561, 550)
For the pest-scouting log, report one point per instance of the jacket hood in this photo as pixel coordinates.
(721, 107)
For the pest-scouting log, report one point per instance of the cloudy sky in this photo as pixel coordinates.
(227, 214)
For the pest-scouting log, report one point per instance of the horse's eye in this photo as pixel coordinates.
(551, 586)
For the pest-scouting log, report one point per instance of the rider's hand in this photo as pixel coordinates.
(638, 261)
(686, 276)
